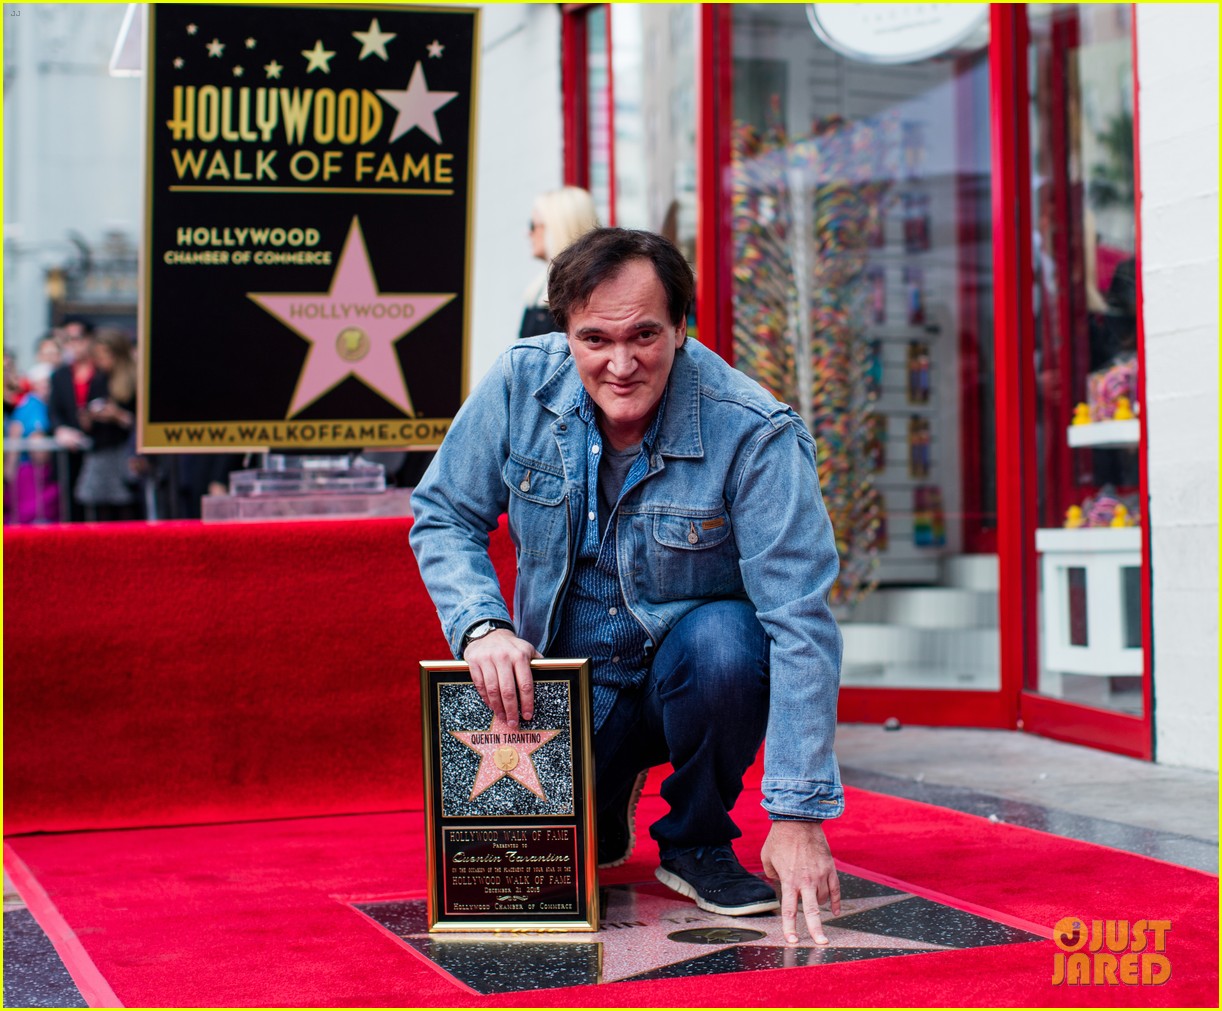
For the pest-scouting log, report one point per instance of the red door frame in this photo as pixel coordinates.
(979, 534)
(1013, 706)
(574, 73)
(714, 111)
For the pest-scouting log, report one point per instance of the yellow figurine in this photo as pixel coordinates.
(1124, 410)
(1081, 415)
(1073, 517)
(1120, 518)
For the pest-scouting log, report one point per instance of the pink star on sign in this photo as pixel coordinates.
(417, 106)
(352, 329)
(505, 752)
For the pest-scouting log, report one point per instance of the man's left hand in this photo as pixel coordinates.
(796, 855)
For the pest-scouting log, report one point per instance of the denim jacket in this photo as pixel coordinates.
(730, 507)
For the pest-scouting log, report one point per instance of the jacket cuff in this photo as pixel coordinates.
(802, 801)
(471, 613)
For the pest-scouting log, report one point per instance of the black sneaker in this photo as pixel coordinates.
(713, 877)
(617, 828)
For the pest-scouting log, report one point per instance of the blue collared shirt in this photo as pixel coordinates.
(594, 620)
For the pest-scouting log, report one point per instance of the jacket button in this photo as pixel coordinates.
(525, 486)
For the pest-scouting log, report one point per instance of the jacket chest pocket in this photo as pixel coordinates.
(692, 555)
(536, 506)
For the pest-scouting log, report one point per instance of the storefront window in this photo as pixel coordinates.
(598, 111)
(642, 117)
(1087, 434)
(861, 256)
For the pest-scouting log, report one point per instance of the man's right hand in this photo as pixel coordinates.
(500, 668)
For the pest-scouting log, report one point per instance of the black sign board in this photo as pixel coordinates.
(509, 813)
(307, 238)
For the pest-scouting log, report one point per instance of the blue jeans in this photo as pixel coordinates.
(703, 708)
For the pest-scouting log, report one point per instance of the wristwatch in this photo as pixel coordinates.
(481, 630)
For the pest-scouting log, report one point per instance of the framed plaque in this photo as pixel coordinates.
(509, 814)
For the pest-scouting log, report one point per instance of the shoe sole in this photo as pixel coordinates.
(633, 799)
(677, 884)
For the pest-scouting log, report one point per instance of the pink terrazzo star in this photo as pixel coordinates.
(352, 328)
(505, 752)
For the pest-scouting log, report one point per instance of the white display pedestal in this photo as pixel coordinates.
(305, 487)
(394, 502)
(1102, 553)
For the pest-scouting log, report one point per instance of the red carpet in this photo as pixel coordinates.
(254, 915)
(181, 673)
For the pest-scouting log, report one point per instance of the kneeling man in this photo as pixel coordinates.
(669, 526)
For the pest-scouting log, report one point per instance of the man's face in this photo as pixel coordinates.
(624, 344)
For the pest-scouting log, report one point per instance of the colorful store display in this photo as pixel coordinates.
(806, 213)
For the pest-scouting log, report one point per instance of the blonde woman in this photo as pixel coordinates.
(556, 220)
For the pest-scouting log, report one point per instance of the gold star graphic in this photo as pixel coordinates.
(373, 42)
(319, 58)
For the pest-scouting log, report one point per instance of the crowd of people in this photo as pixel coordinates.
(70, 437)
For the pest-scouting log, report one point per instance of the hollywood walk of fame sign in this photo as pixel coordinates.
(509, 812)
(306, 263)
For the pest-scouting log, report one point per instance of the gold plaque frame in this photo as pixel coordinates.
(510, 833)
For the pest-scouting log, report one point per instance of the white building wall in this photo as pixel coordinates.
(72, 151)
(1177, 70)
(520, 152)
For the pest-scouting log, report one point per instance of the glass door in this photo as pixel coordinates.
(1084, 378)
(859, 244)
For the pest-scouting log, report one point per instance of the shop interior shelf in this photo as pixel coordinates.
(1088, 539)
(1104, 434)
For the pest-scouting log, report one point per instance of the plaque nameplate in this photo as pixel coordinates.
(509, 814)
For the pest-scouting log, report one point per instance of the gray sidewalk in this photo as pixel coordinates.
(1157, 810)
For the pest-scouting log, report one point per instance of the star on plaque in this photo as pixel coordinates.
(192, 29)
(318, 58)
(272, 69)
(178, 62)
(238, 71)
(251, 43)
(417, 105)
(505, 752)
(215, 48)
(373, 42)
(435, 49)
(352, 329)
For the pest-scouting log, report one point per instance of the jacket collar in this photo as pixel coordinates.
(680, 433)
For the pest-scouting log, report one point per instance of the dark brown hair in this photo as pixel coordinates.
(600, 255)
